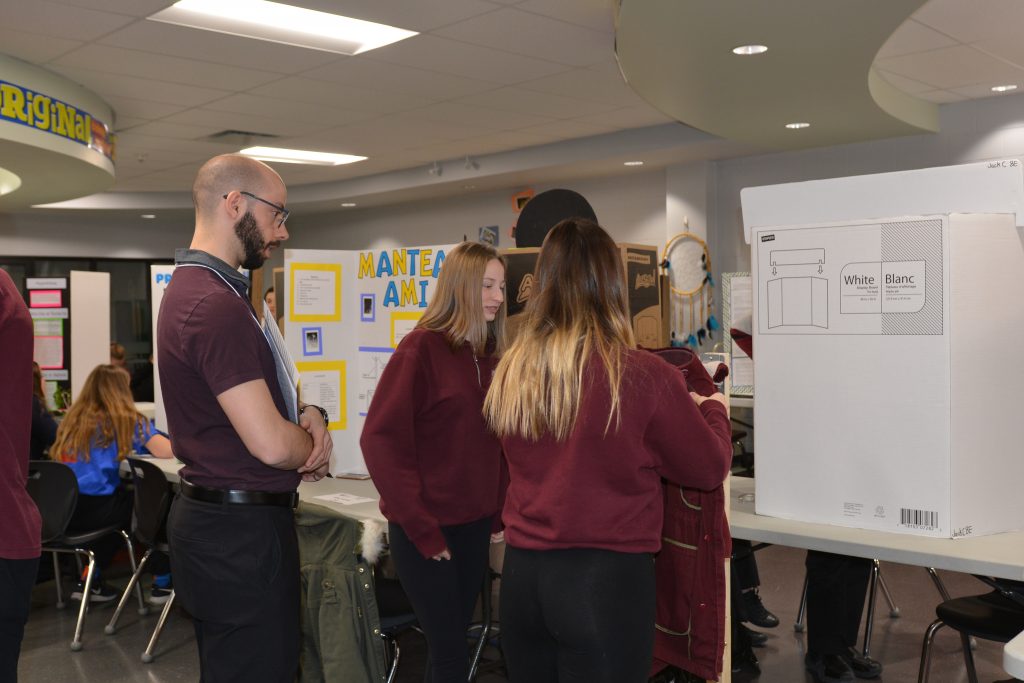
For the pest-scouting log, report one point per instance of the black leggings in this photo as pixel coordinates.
(578, 614)
(443, 593)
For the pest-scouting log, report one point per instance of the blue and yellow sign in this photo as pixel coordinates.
(45, 113)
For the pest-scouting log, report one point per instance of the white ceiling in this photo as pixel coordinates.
(484, 77)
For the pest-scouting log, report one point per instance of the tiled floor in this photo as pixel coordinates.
(46, 657)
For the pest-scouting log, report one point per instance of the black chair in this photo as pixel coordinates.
(997, 616)
(149, 524)
(396, 617)
(54, 488)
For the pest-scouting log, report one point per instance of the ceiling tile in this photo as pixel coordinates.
(172, 69)
(161, 147)
(907, 85)
(220, 48)
(628, 117)
(482, 117)
(912, 36)
(166, 129)
(285, 108)
(282, 126)
(134, 8)
(541, 104)
(951, 67)
(33, 47)
(1007, 48)
(123, 123)
(110, 86)
(587, 84)
(140, 109)
(342, 96)
(597, 15)
(971, 21)
(412, 15)
(373, 75)
(533, 35)
(61, 21)
(567, 129)
(463, 59)
(941, 96)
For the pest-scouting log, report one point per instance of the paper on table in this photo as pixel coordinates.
(286, 370)
(344, 498)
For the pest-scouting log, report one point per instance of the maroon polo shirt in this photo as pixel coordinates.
(19, 519)
(208, 341)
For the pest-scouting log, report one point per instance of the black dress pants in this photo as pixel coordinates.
(16, 580)
(577, 615)
(836, 588)
(443, 593)
(236, 571)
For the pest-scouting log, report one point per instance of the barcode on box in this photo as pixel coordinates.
(919, 519)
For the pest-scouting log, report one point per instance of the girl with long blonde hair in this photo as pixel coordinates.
(101, 429)
(589, 426)
(433, 460)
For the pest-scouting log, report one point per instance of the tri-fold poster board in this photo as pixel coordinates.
(887, 313)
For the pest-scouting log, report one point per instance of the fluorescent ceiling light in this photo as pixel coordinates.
(299, 156)
(148, 216)
(348, 205)
(279, 23)
(750, 50)
(798, 125)
(632, 163)
(9, 182)
(1003, 88)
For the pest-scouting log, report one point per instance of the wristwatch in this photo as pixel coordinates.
(323, 413)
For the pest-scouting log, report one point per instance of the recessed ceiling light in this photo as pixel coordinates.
(149, 216)
(279, 23)
(632, 163)
(750, 50)
(797, 125)
(299, 156)
(1003, 88)
(348, 205)
(9, 182)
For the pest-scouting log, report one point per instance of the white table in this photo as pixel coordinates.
(998, 555)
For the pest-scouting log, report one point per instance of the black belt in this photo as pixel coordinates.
(235, 497)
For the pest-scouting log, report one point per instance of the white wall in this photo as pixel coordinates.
(75, 236)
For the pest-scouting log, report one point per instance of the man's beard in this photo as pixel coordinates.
(249, 234)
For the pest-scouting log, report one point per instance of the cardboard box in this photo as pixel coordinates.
(643, 290)
(888, 388)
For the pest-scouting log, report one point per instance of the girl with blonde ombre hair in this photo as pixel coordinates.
(100, 430)
(433, 460)
(589, 426)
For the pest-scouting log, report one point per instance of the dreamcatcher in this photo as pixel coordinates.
(687, 264)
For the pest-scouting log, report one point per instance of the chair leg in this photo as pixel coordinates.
(972, 673)
(391, 644)
(926, 650)
(112, 626)
(485, 624)
(802, 610)
(131, 559)
(76, 643)
(147, 656)
(869, 618)
(58, 579)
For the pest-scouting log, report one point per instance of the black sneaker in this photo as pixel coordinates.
(756, 612)
(862, 667)
(828, 668)
(757, 639)
(158, 595)
(100, 592)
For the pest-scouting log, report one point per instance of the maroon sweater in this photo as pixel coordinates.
(425, 442)
(598, 490)
(19, 519)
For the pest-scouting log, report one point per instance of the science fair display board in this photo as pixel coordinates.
(886, 326)
(346, 313)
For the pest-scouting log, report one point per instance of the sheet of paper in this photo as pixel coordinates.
(344, 498)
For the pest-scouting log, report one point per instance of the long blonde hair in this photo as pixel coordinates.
(102, 413)
(577, 308)
(457, 308)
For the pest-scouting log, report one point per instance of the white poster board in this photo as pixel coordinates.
(159, 278)
(346, 313)
(90, 325)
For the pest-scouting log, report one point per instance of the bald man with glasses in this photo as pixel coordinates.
(245, 440)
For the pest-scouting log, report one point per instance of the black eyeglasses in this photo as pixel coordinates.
(280, 212)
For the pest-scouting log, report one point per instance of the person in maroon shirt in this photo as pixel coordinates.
(589, 425)
(231, 530)
(20, 528)
(434, 462)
